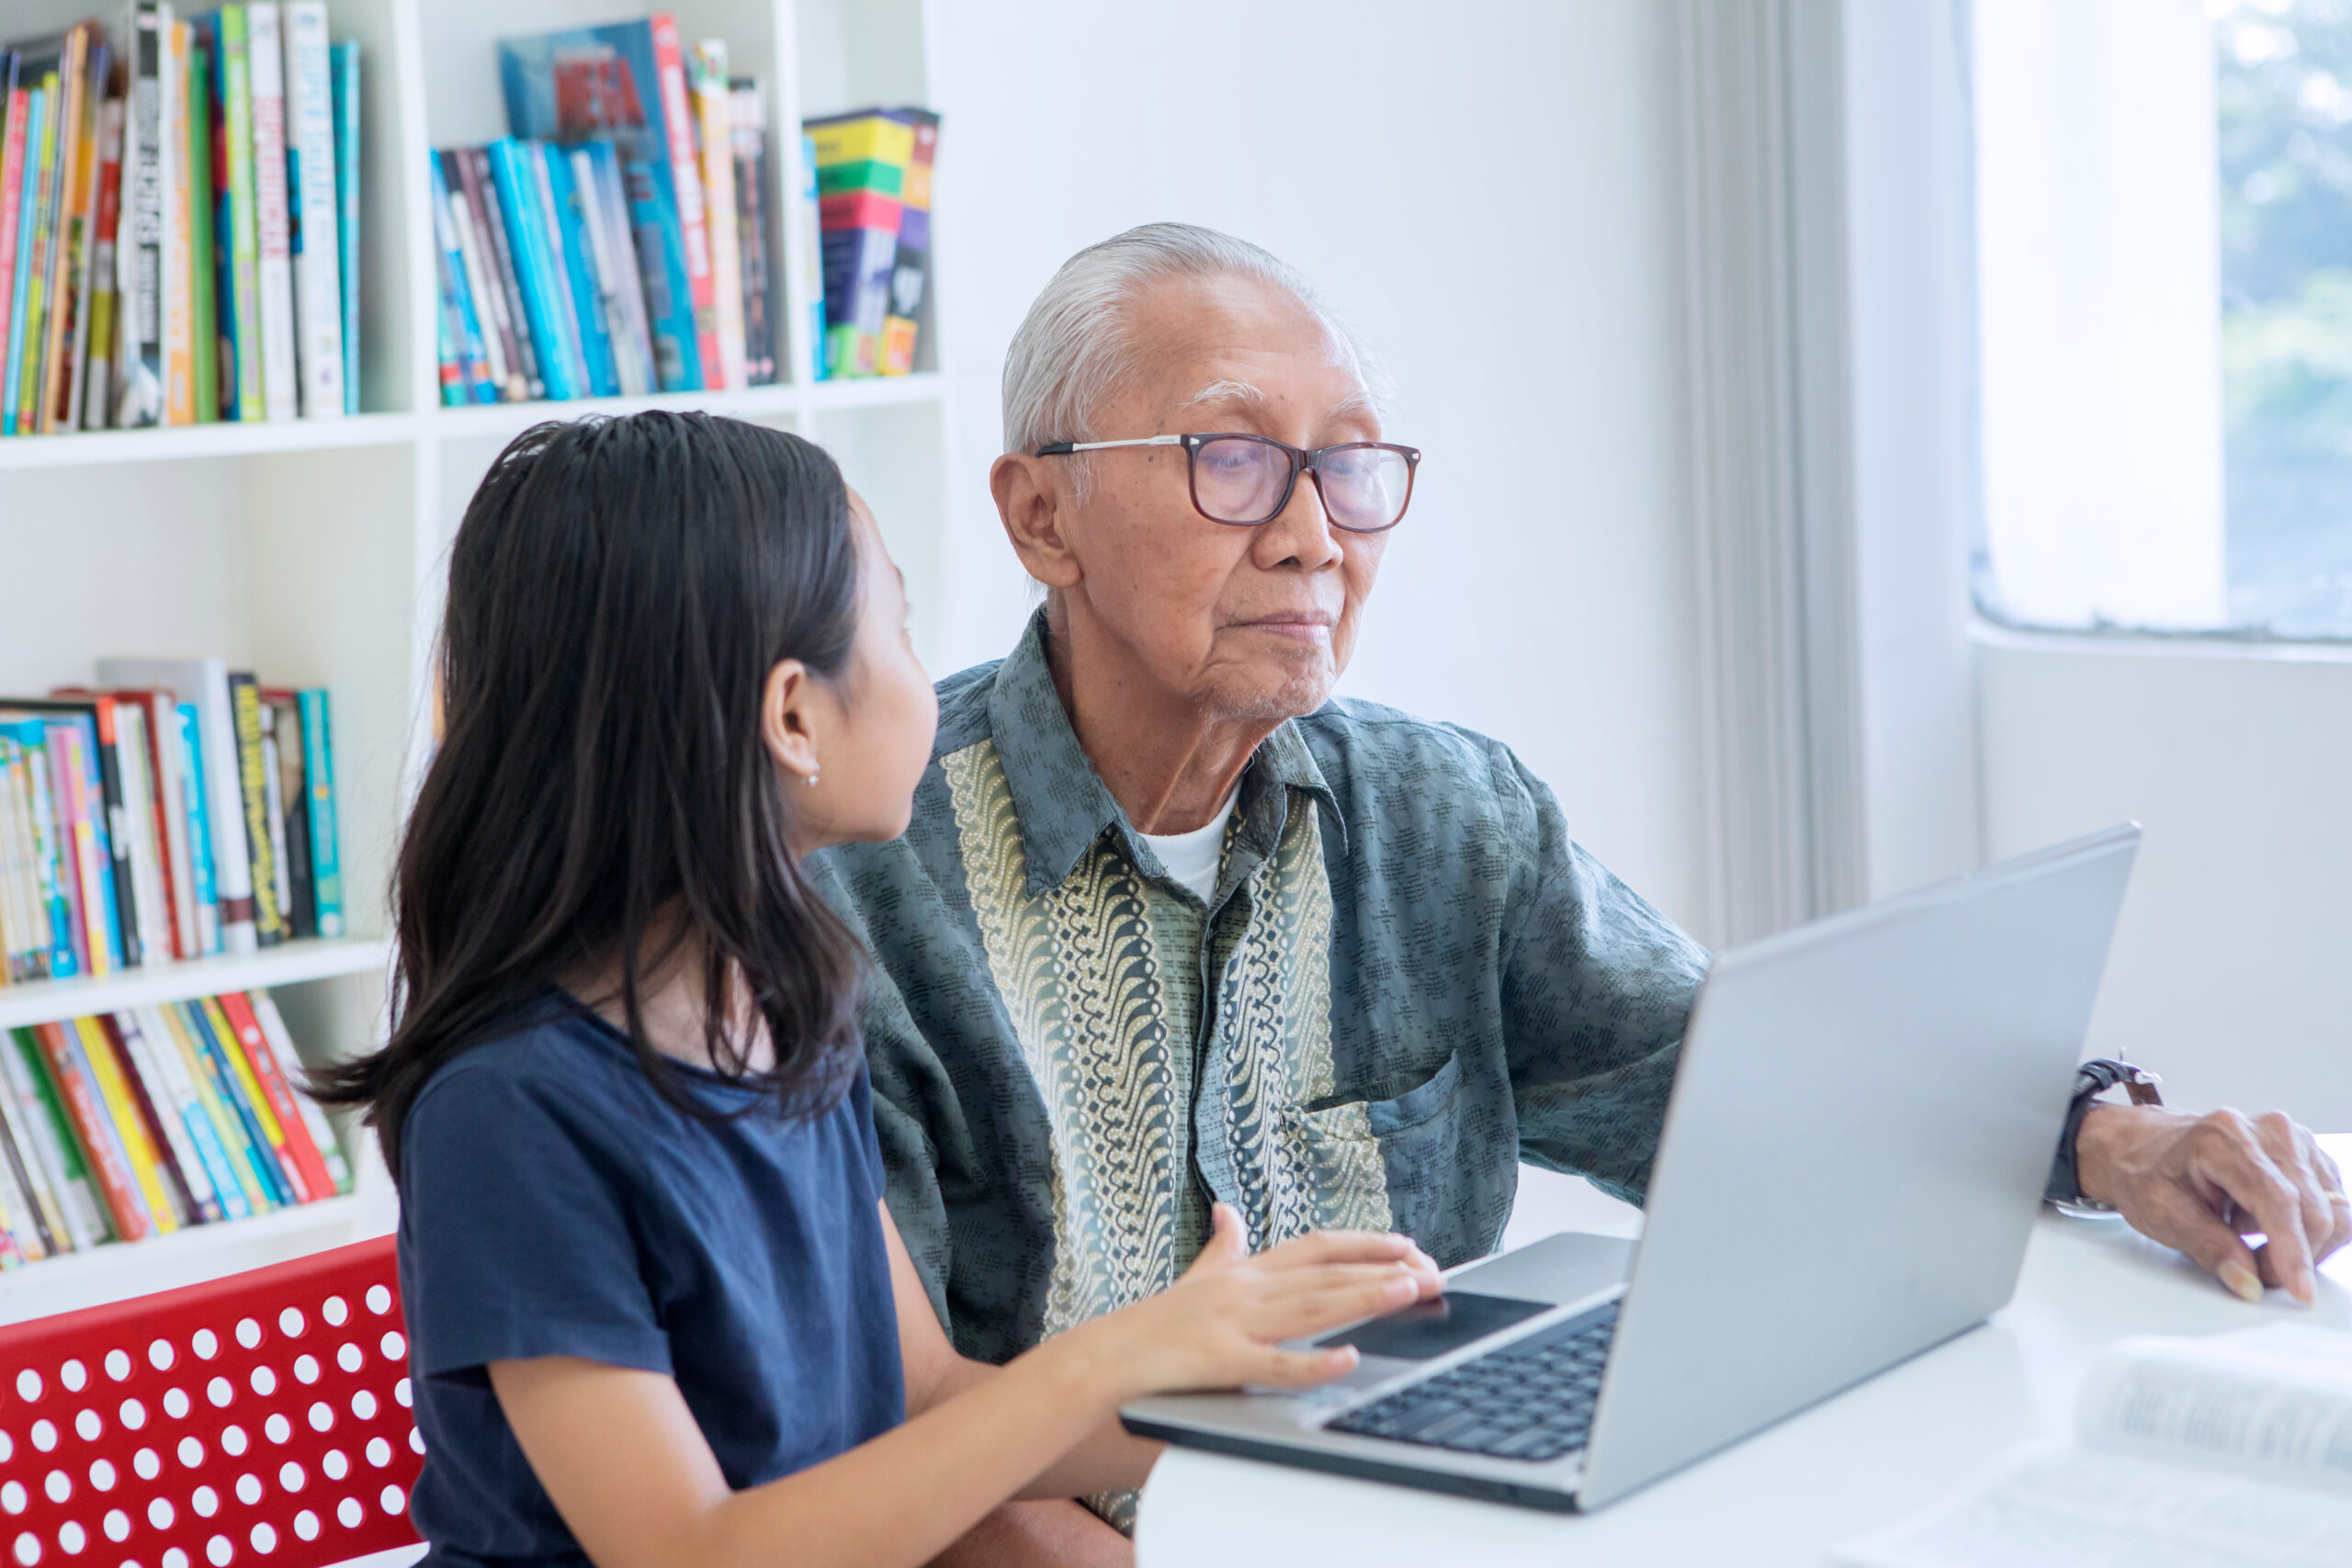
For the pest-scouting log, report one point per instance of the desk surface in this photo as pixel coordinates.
(1785, 1497)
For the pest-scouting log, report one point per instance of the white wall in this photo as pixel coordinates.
(2232, 974)
(1491, 195)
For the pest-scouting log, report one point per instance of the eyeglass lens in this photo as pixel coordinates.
(1241, 480)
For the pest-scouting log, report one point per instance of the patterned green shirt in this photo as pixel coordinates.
(1408, 979)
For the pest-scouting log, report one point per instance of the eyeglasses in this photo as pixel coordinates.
(1247, 479)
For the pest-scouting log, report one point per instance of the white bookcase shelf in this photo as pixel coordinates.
(312, 551)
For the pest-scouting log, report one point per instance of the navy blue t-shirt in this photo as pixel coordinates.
(553, 1203)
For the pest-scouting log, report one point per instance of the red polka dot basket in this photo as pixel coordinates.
(262, 1420)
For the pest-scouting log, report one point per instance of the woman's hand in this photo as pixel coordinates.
(1220, 1325)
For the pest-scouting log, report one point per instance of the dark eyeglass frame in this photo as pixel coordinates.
(1300, 458)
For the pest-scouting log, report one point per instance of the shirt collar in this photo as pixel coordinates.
(1061, 802)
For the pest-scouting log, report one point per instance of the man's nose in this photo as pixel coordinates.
(1301, 534)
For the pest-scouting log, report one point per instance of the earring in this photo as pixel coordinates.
(811, 781)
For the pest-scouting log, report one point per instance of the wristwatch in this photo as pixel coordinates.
(2092, 1079)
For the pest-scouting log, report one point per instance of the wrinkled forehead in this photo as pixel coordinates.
(1242, 347)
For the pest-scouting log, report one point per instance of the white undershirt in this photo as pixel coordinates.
(1192, 858)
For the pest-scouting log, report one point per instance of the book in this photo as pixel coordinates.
(292, 1136)
(179, 247)
(36, 780)
(98, 372)
(94, 1126)
(539, 189)
(240, 298)
(604, 212)
(2224, 1450)
(25, 1077)
(16, 106)
(812, 261)
(138, 376)
(178, 1171)
(164, 743)
(346, 68)
(253, 795)
(911, 270)
(480, 365)
(512, 163)
(204, 329)
(71, 384)
(22, 411)
(255, 1169)
(195, 1132)
(48, 337)
(625, 84)
(203, 888)
(269, 1135)
(307, 1108)
(714, 110)
(499, 340)
(273, 783)
(266, 86)
(748, 138)
(489, 220)
(576, 269)
(318, 778)
(317, 258)
(87, 787)
(31, 1177)
(204, 683)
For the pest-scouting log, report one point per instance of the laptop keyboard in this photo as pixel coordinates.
(1532, 1399)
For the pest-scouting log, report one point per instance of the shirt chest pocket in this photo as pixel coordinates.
(1402, 1147)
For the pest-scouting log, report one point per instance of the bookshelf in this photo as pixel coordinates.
(311, 550)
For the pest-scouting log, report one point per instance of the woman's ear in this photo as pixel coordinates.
(1029, 502)
(788, 719)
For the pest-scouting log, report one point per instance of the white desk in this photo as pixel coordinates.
(1782, 1497)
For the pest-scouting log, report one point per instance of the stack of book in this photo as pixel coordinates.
(129, 1124)
(179, 221)
(873, 177)
(616, 243)
(183, 810)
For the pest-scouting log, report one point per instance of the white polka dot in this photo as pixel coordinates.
(402, 1392)
(233, 1440)
(159, 1355)
(218, 1551)
(219, 1391)
(277, 1428)
(393, 1345)
(392, 1499)
(58, 1485)
(363, 1405)
(174, 1558)
(175, 1403)
(265, 1539)
(28, 1549)
(117, 1365)
(379, 1453)
(86, 1426)
(290, 1476)
(13, 1495)
(335, 1465)
(191, 1452)
(28, 1387)
(249, 1489)
(74, 1375)
(416, 1440)
(248, 1333)
(71, 1536)
(205, 1343)
(159, 1513)
(350, 1513)
(7, 1447)
(132, 1414)
(380, 1300)
(117, 1525)
(321, 1416)
(306, 1525)
(102, 1474)
(146, 1462)
(349, 1357)
(205, 1501)
(44, 1435)
(289, 1322)
(306, 1368)
(265, 1382)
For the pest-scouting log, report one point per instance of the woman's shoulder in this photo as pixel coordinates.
(549, 1064)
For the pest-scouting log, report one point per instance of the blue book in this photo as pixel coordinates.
(514, 171)
(343, 70)
(579, 271)
(465, 326)
(602, 84)
(255, 1138)
(32, 741)
(318, 779)
(200, 827)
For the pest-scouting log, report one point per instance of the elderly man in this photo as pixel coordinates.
(1172, 925)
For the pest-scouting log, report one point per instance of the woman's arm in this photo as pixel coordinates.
(622, 1459)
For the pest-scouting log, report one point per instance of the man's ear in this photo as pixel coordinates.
(1029, 501)
(787, 724)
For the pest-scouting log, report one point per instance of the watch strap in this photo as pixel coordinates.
(2092, 1079)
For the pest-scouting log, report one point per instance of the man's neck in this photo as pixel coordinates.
(1169, 768)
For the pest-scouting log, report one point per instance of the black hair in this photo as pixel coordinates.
(620, 590)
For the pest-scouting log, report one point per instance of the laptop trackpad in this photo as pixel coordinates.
(1427, 1329)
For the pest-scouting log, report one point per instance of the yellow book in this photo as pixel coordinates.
(250, 1086)
(166, 1022)
(856, 138)
(122, 1105)
(179, 300)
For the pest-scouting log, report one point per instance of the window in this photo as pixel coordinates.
(2163, 201)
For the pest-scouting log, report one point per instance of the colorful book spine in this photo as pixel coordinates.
(270, 1137)
(118, 1182)
(160, 1056)
(27, 1079)
(475, 383)
(18, 413)
(204, 329)
(748, 135)
(604, 214)
(567, 220)
(120, 1100)
(499, 340)
(106, 291)
(562, 294)
(82, 242)
(347, 197)
(15, 108)
(205, 889)
(253, 794)
(178, 249)
(812, 259)
(249, 1161)
(291, 1134)
(677, 116)
(242, 248)
(75, 744)
(714, 107)
(182, 1173)
(315, 1119)
(140, 392)
(481, 198)
(318, 282)
(265, 63)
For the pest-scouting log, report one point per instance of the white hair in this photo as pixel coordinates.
(1073, 352)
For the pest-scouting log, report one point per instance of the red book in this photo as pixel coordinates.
(271, 1075)
(117, 1186)
(162, 709)
(685, 172)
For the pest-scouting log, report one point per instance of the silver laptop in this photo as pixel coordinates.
(1861, 1127)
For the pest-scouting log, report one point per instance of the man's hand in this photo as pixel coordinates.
(2200, 1182)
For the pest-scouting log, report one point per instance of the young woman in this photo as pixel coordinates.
(658, 1312)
